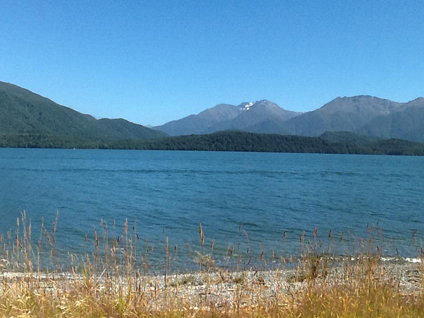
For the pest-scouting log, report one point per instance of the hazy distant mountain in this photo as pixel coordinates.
(25, 113)
(367, 115)
(199, 124)
(254, 117)
(341, 114)
(405, 123)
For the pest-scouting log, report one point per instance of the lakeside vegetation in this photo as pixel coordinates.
(328, 143)
(114, 280)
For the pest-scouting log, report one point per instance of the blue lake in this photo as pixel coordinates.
(254, 199)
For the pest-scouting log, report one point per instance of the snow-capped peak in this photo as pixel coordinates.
(246, 106)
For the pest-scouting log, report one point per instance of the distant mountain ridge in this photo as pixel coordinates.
(246, 116)
(367, 115)
(23, 112)
(342, 114)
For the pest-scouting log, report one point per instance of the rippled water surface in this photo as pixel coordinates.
(238, 197)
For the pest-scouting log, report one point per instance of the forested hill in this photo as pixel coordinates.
(24, 113)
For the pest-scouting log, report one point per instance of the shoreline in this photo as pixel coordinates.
(224, 285)
(367, 284)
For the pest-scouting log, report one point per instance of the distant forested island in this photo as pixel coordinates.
(328, 143)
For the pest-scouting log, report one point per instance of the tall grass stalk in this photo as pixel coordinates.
(117, 280)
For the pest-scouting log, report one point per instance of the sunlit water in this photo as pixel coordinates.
(264, 201)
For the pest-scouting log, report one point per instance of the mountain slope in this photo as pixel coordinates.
(246, 116)
(200, 123)
(341, 114)
(24, 112)
(256, 117)
(407, 123)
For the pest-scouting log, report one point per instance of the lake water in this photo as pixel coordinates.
(264, 201)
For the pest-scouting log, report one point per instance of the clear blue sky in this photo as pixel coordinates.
(154, 61)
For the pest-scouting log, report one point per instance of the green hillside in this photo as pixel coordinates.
(23, 112)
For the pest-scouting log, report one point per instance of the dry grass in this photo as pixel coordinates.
(115, 282)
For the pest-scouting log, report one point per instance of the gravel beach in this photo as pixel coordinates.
(231, 289)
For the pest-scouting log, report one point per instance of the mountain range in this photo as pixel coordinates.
(367, 115)
(23, 112)
(29, 119)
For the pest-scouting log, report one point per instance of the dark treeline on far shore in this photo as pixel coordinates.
(328, 143)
